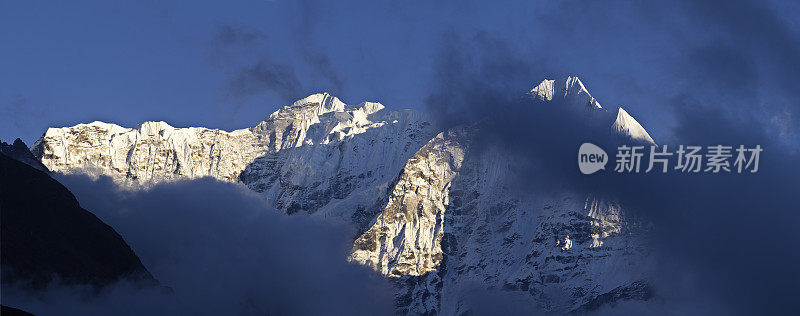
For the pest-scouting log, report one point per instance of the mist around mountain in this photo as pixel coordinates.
(471, 204)
(488, 212)
(340, 164)
(424, 212)
(707, 230)
(217, 247)
(47, 238)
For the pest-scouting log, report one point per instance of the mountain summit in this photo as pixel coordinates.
(575, 92)
(571, 87)
(626, 125)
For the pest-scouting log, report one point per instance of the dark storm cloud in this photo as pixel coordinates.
(235, 46)
(22, 109)
(321, 64)
(735, 71)
(237, 35)
(647, 53)
(732, 234)
(311, 53)
(269, 76)
(22, 114)
(752, 27)
(754, 62)
(477, 76)
(726, 243)
(253, 70)
(223, 252)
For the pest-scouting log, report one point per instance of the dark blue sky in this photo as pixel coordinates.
(229, 64)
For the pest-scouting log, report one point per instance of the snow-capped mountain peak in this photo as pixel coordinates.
(312, 105)
(571, 87)
(574, 91)
(544, 91)
(626, 125)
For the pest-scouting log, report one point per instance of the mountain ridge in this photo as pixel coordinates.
(432, 215)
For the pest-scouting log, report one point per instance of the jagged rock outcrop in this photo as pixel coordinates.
(406, 237)
(20, 152)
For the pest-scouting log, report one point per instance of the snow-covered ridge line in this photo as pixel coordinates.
(156, 151)
(321, 103)
(150, 152)
(571, 87)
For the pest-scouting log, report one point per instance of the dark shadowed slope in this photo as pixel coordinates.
(45, 234)
(19, 151)
(10, 311)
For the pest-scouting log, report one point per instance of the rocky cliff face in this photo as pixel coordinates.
(302, 157)
(406, 237)
(151, 152)
(435, 217)
(339, 160)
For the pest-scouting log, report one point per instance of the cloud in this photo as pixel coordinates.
(754, 28)
(238, 35)
(241, 52)
(222, 251)
(20, 114)
(256, 67)
(312, 54)
(269, 76)
(729, 240)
